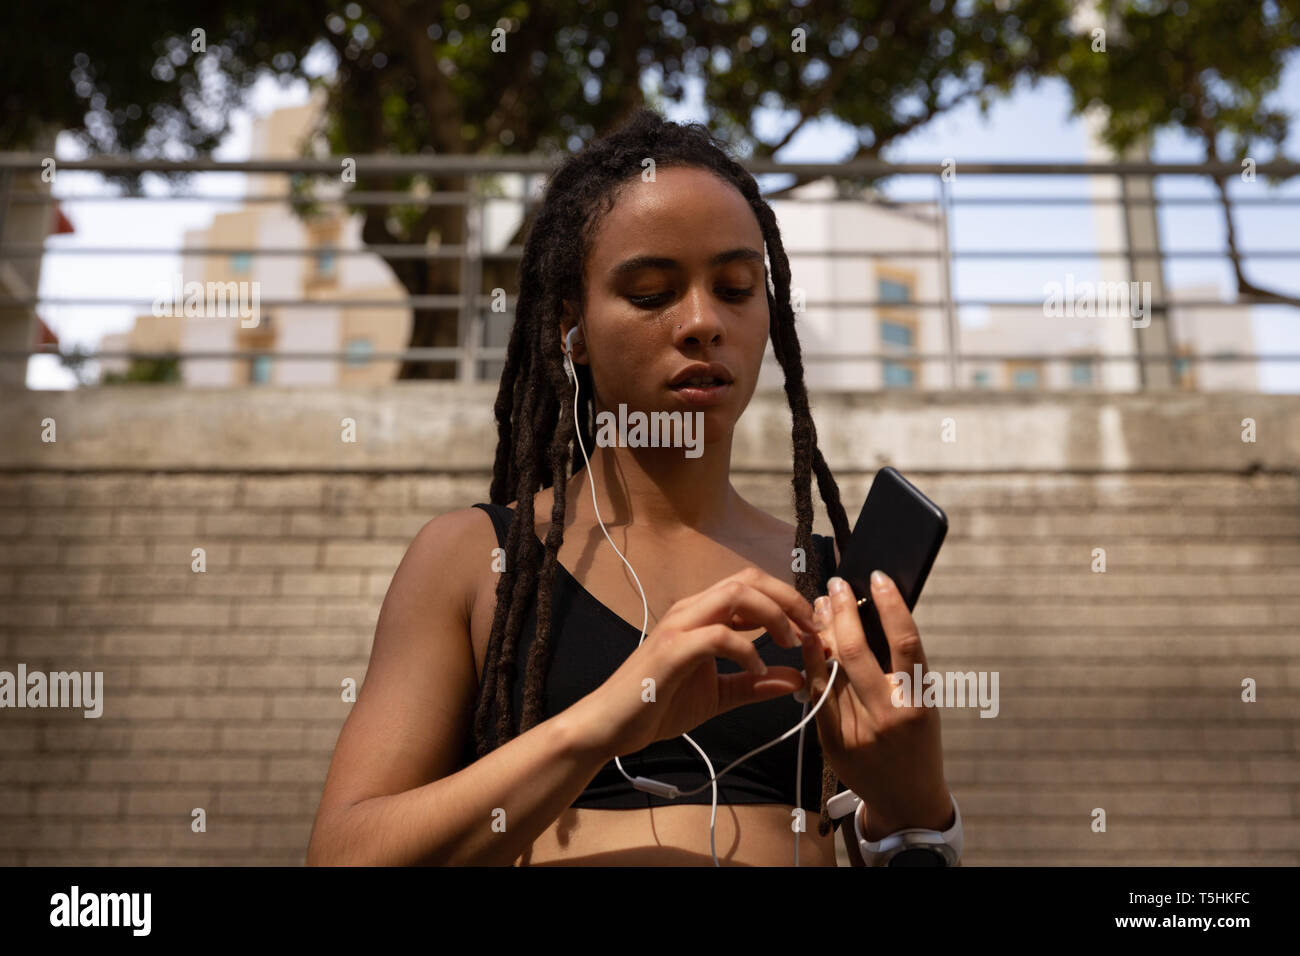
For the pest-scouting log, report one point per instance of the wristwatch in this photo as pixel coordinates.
(914, 846)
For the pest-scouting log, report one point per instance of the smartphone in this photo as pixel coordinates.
(899, 532)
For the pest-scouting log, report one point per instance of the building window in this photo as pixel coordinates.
(1080, 372)
(896, 333)
(359, 351)
(259, 372)
(1025, 378)
(323, 234)
(325, 265)
(891, 290)
(241, 263)
(899, 376)
(982, 378)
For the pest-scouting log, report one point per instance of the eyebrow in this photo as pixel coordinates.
(628, 266)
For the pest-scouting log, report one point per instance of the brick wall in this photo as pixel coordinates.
(1119, 690)
(222, 689)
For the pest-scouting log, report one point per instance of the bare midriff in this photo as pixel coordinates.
(745, 835)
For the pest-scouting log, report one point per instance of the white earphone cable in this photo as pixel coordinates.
(670, 791)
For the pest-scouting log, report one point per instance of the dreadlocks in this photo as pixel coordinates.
(536, 446)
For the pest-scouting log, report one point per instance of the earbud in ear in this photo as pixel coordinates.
(568, 355)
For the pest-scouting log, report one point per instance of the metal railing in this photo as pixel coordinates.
(1153, 355)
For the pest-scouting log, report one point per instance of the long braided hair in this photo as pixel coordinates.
(536, 446)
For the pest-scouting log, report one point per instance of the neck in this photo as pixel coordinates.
(659, 489)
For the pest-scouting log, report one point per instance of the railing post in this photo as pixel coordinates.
(16, 322)
(6, 183)
(471, 322)
(945, 279)
(1142, 227)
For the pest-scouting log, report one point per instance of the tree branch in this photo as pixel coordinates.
(873, 151)
(1245, 288)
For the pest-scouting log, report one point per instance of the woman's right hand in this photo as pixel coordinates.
(678, 656)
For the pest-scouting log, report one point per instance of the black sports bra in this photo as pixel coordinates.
(591, 642)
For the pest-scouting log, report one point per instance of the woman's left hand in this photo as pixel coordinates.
(891, 756)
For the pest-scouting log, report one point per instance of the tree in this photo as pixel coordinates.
(407, 76)
(1203, 66)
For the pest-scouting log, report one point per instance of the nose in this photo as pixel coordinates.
(698, 320)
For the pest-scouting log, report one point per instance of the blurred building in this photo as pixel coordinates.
(1209, 331)
(326, 277)
(150, 333)
(818, 219)
(1198, 331)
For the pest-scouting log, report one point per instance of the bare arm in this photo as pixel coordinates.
(393, 795)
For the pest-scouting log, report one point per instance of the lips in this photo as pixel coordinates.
(701, 381)
(702, 376)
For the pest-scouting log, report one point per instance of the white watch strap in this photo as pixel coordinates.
(879, 852)
(842, 804)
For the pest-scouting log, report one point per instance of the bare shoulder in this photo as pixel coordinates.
(459, 527)
(452, 552)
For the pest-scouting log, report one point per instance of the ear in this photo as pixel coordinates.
(567, 321)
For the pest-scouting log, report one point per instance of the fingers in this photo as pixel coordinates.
(816, 665)
(721, 641)
(855, 655)
(794, 604)
(737, 690)
(905, 648)
(742, 605)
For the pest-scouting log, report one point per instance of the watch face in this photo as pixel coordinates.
(916, 856)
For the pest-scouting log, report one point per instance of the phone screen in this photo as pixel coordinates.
(899, 532)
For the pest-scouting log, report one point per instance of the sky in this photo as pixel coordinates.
(1032, 124)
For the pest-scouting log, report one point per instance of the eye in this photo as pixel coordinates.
(648, 301)
(654, 301)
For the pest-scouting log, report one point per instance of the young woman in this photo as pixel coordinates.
(509, 670)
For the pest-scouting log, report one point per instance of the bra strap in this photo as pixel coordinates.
(500, 516)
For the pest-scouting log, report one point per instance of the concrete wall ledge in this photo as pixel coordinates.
(437, 426)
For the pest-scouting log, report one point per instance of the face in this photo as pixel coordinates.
(675, 277)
